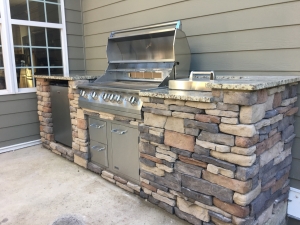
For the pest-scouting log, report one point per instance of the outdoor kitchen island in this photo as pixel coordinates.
(216, 157)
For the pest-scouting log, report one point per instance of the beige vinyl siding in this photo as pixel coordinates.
(231, 37)
(75, 42)
(18, 119)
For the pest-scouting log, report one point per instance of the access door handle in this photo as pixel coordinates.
(97, 148)
(120, 132)
(97, 126)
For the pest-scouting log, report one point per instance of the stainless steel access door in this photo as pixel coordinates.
(62, 127)
(124, 142)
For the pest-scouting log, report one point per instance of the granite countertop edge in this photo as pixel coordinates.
(65, 78)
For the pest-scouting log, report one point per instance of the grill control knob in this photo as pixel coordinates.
(133, 100)
(82, 93)
(111, 97)
(104, 96)
(118, 98)
(94, 95)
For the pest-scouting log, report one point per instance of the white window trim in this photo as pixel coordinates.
(8, 46)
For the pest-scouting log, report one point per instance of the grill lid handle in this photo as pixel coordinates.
(211, 73)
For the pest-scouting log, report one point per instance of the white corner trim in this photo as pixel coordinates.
(294, 204)
(19, 146)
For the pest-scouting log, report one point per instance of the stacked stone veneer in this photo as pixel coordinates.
(225, 162)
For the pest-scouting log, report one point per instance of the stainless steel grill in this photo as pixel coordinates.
(138, 59)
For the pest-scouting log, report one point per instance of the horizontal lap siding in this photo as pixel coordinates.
(75, 41)
(258, 38)
(18, 119)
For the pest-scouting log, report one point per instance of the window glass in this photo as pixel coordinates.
(18, 9)
(20, 35)
(55, 57)
(2, 74)
(38, 36)
(37, 11)
(53, 36)
(39, 57)
(53, 13)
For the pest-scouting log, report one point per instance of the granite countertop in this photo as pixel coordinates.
(82, 77)
(179, 95)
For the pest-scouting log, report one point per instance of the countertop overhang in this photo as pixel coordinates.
(82, 77)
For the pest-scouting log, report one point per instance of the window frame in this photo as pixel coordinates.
(8, 46)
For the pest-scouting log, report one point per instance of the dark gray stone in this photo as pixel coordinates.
(65, 150)
(181, 152)
(289, 145)
(283, 124)
(168, 164)
(255, 181)
(207, 188)
(196, 196)
(210, 127)
(219, 216)
(169, 181)
(281, 198)
(269, 202)
(271, 113)
(282, 172)
(265, 130)
(285, 94)
(258, 203)
(143, 128)
(201, 151)
(208, 223)
(274, 125)
(289, 131)
(94, 168)
(147, 162)
(147, 148)
(292, 119)
(192, 131)
(188, 169)
(158, 186)
(143, 194)
(84, 155)
(293, 91)
(191, 219)
(153, 138)
(68, 219)
(186, 109)
(263, 137)
(175, 176)
(214, 161)
(157, 100)
(147, 175)
(153, 200)
(227, 107)
(145, 109)
(165, 206)
(161, 112)
(246, 173)
(223, 139)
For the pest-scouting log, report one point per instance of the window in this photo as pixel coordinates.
(34, 40)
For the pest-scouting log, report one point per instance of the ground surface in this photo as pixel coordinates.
(39, 187)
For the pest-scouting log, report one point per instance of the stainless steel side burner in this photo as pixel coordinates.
(138, 59)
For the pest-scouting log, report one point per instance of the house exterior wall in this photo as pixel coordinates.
(230, 37)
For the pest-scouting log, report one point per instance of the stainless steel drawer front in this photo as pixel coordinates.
(98, 153)
(98, 130)
(124, 141)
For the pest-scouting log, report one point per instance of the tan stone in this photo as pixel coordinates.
(175, 124)
(213, 146)
(243, 151)
(230, 120)
(155, 120)
(108, 174)
(178, 140)
(108, 179)
(156, 131)
(269, 103)
(265, 216)
(245, 199)
(145, 99)
(174, 102)
(144, 180)
(165, 168)
(82, 124)
(123, 186)
(240, 97)
(239, 130)
(274, 90)
(84, 148)
(75, 146)
(170, 202)
(207, 118)
(183, 115)
(216, 112)
(232, 184)
(56, 152)
(241, 160)
(275, 119)
(165, 157)
(252, 114)
(153, 170)
(147, 191)
(213, 208)
(166, 152)
(120, 180)
(193, 209)
(134, 186)
(166, 194)
(288, 101)
(272, 153)
(282, 156)
(106, 116)
(80, 161)
(201, 105)
(232, 208)
(192, 161)
(262, 123)
(82, 134)
(218, 170)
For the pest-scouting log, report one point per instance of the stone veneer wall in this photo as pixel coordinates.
(225, 162)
